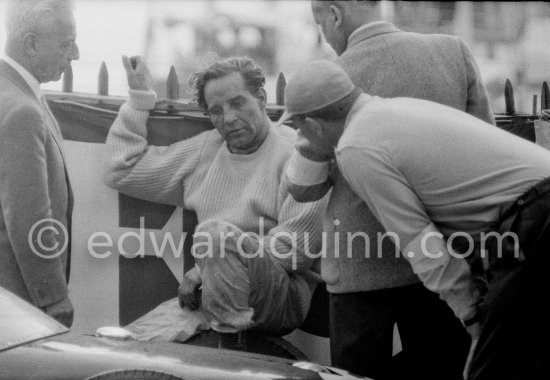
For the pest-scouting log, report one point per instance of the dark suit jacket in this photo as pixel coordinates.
(387, 62)
(33, 186)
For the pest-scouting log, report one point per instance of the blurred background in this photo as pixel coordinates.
(508, 39)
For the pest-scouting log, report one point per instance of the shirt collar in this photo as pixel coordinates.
(29, 79)
(370, 30)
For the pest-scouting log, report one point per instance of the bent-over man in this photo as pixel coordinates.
(371, 291)
(447, 186)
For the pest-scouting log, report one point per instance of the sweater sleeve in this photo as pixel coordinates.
(295, 243)
(387, 192)
(154, 173)
(477, 103)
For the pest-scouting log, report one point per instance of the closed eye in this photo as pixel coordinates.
(67, 45)
(214, 111)
(237, 102)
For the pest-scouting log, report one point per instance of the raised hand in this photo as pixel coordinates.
(137, 72)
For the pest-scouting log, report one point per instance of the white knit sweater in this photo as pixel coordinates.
(201, 174)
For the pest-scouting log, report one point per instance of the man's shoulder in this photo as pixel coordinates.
(438, 41)
(278, 146)
(10, 90)
(284, 135)
(411, 39)
(15, 101)
(389, 53)
(405, 64)
(210, 141)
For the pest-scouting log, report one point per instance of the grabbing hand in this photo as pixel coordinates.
(139, 77)
(308, 145)
(188, 292)
(62, 311)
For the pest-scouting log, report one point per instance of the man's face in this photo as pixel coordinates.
(325, 18)
(55, 49)
(238, 115)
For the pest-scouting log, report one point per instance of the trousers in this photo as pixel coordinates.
(515, 335)
(242, 287)
(435, 345)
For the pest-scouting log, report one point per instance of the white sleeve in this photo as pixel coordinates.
(304, 172)
(375, 179)
(306, 180)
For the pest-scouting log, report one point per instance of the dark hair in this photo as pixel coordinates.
(251, 73)
(336, 110)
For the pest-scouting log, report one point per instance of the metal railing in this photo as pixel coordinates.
(171, 103)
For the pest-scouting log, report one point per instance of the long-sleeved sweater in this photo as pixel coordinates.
(201, 174)
(430, 191)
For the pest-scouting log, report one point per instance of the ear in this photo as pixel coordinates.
(336, 16)
(262, 98)
(30, 44)
(315, 127)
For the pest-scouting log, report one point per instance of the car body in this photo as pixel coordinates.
(34, 346)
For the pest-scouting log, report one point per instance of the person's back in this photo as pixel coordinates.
(401, 64)
(432, 67)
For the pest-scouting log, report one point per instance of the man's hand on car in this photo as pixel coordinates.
(188, 292)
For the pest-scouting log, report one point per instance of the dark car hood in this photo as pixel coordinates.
(72, 356)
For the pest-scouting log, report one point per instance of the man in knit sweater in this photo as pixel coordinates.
(253, 240)
(371, 291)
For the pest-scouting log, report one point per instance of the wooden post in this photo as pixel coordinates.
(280, 90)
(172, 85)
(103, 80)
(545, 97)
(68, 79)
(534, 104)
(509, 98)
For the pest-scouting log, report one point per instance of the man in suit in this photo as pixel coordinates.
(35, 194)
(371, 291)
